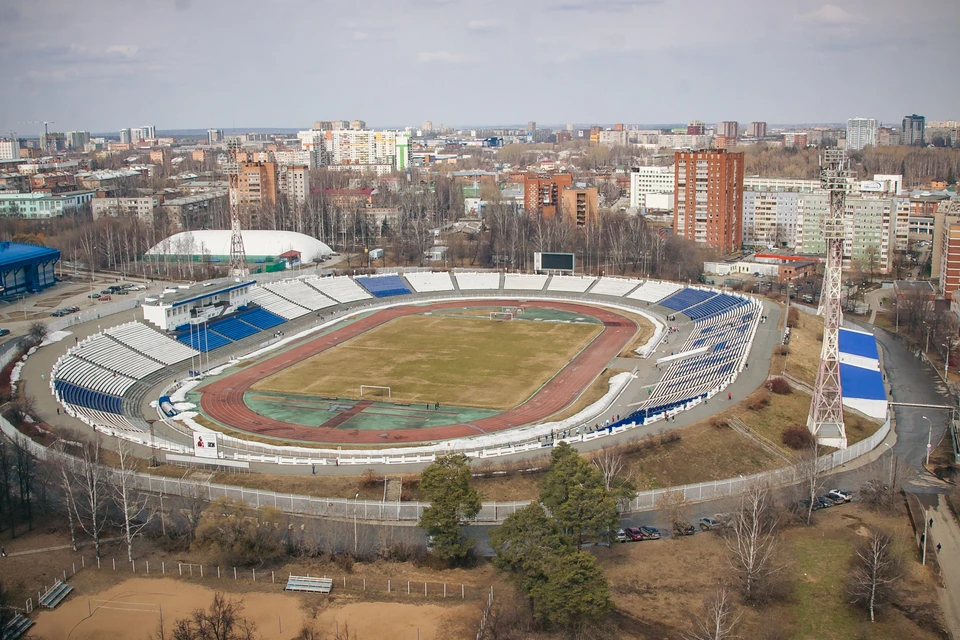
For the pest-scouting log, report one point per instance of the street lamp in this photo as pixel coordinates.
(355, 522)
(929, 437)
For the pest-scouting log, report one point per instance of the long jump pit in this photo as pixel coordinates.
(422, 373)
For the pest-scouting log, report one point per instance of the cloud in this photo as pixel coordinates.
(360, 35)
(609, 6)
(9, 14)
(126, 50)
(829, 14)
(444, 57)
(482, 26)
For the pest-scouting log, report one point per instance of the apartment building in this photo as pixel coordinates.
(757, 130)
(913, 127)
(541, 192)
(43, 205)
(861, 132)
(579, 206)
(770, 218)
(294, 183)
(141, 207)
(652, 187)
(949, 267)
(258, 184)
(729, 129)
(708, 196)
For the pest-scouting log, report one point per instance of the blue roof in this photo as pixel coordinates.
(858, 344)
(865, 384)
(12, 254)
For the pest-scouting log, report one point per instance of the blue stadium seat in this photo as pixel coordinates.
(78, 395)
(686, 298)
(203, 340)
(261, 318)
(383, 286)
(233, 329)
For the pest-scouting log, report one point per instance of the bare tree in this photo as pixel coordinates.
(875, 572)
(611, 464)
(675, 508)
(92, 492)
(6, 482)
(37, 332)
(810, 469)
(65, 478)
(26, 470)
(752, 540)
(131, 502)
(717, 620)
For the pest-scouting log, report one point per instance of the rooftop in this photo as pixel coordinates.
(197, 291)
(13, 252)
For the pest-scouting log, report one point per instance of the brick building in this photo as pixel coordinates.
(708, 195)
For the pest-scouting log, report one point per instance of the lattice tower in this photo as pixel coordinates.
(238, 256)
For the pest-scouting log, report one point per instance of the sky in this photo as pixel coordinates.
(99, 65)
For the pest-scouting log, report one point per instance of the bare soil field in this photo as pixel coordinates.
(464, 362)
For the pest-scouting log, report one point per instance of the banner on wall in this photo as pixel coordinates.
(205, 445)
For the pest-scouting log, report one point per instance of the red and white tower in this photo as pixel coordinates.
(826, 410)
(238, 256)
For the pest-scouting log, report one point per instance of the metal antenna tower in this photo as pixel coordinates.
(826, 411)
(238, 256)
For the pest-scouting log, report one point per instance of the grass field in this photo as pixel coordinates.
(465, 362)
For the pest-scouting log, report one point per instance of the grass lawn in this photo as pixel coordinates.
(464, 362)
(806, 341)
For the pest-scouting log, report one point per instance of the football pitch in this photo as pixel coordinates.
(459, 361)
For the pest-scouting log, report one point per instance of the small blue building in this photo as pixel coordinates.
(26, 268)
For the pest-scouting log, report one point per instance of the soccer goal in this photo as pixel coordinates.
(501, 315)
(374, 390)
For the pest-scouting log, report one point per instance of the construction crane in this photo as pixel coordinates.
(238, 256)
(825, 421)
(45, 130)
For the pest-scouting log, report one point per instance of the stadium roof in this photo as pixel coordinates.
(859, 344)
(216, 242)
(13, 254)
(860, 383)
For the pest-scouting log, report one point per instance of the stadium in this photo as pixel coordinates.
(398, 367)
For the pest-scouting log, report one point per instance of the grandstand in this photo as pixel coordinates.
(261, 318)
(297, 292)
(523, 282)
(383, 286)
(112, 355)
(468, 281)
(233, 328)
(614, 287)
(654, 291)
(69, 393)
(198, 337)
(860, 379)
(428, 282)
(94, 377)
(572, 284)
(150, 343)
(341, 288)
(277, 305)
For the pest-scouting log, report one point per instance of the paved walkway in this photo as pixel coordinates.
(80, 545)
(946, 532)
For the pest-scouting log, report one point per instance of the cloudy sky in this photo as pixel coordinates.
(99, 65)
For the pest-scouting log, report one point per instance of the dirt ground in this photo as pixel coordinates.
(463, 362)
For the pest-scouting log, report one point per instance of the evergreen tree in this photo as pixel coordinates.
(446, 484)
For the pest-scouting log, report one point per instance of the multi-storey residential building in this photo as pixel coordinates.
(579, 206)
(949, 267)
(214, 136)
(948, 213)
(757, 130)
(652, 181)
(357, 147)
(9, 149)
(729, 129)
(195, 211)
(861, 132)
(141, 207)
(795, 140)
(696, 128)
(541, 192)
(612, 138)
(77, 140)
(913, 130)
(294, 183)
(887, 137)
(709, 198)
(762, 183)
(258, 184)
(125, 136)
(683, 141)
(770, 218)
(289, 157)
(42, 205)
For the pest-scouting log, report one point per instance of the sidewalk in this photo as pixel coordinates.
(946, 533)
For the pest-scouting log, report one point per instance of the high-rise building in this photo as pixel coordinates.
(125, 136)
(531, 126)
(708, 193)
(258, 184)
(541, 192)
(861, 132)
(294, 183)
(729, 129)
(770, 218)
(214, 136)
(9, 149)
(696, 128)
(427, 126)
(358, 125)
(579, 206)
(757, 130)
(913, 130)
(78, 139)
(53, 141)
(648, 181)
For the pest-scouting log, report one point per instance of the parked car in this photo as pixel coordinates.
(4, 332)
(708, 523)
(649, 533)
(107, 291)
(683, 529)
(846, 496)
(825, 502)
(105, 298)
(73, 309)
(805, 504)
(94, 295)
(59, 313)
(622, 536)
(834, 500)
(630, 534)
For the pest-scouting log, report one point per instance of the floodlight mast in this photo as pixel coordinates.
(825, 421)
(238, 256)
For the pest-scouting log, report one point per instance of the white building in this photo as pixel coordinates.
(358, 147)
(293, 181)
(770, 218)
(861, 132)
(9, 149)
(645, 181)
(760, 183)
(613, 138)
(42, 205)
(684, 141)
(194, 305)
(305, 158)
(141, 207)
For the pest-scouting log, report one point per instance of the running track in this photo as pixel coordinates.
(222, 400)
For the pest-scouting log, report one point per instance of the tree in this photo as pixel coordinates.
(26, 471)
(574, 592)
(526, 544)
(238, 534)
(675, 508)
(875, 572)
(223, 620)
(575, 493)
(810, 468)
(37, 332)
(6, 487)
(63, 477)
(752, 541)
(131, 502)
(91, 493)
(717, 620)
(446, 484)
(611, 464)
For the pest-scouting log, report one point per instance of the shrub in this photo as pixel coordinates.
(370, 479)
(719, 423)
(344, 561)
(797, 437)
(784, 350)
(780, 386)
(793, 317)
(759, 400)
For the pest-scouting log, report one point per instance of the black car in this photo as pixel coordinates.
(4, 332)
(683, 529)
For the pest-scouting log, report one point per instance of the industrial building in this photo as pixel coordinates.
(26, 268)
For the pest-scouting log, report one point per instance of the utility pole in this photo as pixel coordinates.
(238, 256)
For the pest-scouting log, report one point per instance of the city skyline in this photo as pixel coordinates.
(104, 65)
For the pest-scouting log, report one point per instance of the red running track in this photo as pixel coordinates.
(222, 400)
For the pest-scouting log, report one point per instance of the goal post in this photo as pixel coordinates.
(373, 389)
(501, 315)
